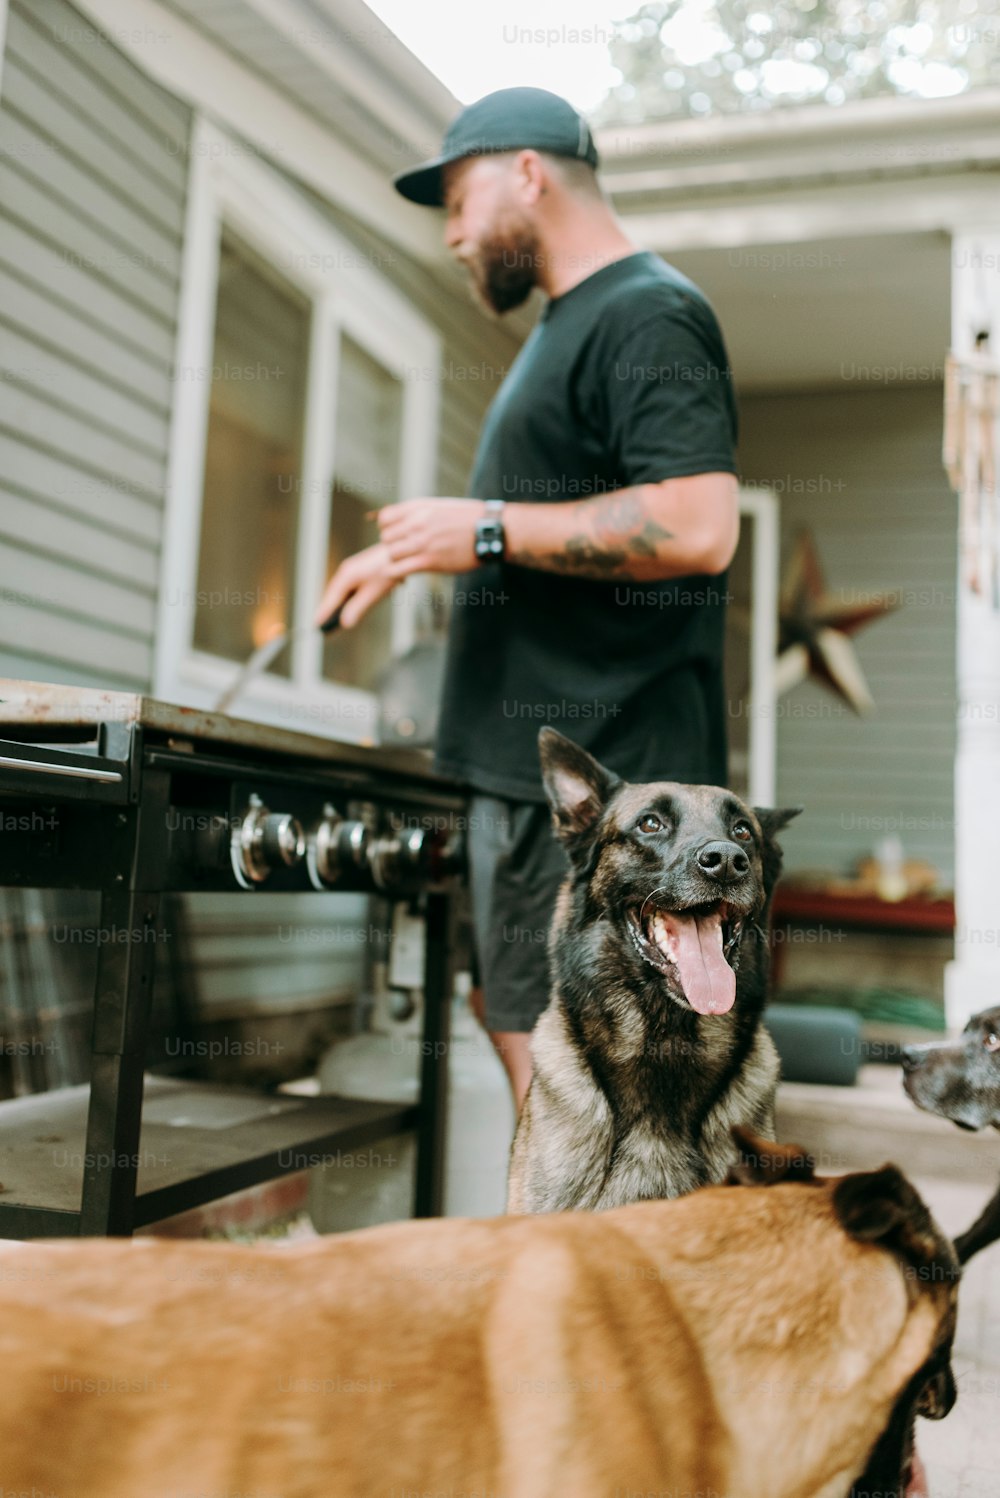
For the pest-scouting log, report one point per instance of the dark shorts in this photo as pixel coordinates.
(515, 868)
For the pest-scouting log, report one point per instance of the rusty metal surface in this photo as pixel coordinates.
(50, 706)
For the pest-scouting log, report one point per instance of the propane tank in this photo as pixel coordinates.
(375, 1184)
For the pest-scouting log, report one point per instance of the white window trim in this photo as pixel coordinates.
(761, 705)
(227, 184)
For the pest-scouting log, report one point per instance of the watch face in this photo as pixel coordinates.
(489, 539)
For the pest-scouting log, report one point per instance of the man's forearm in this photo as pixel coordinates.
(645, 533)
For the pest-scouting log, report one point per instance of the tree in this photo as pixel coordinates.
(700, 57)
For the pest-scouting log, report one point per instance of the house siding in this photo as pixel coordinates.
(94, 163)
(862, 472)
(93, 172)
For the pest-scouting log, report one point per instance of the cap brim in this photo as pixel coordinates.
(424, 184)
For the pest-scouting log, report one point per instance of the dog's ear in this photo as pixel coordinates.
(872, 1204)
(762, 1162)
(773, 818)
(577, 786)
(881, 1205)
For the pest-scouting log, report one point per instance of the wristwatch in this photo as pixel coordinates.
(489, 532)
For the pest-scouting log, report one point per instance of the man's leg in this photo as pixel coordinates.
(512, 1046)
(515, 869)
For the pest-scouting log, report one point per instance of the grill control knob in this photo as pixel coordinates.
(283, 840)
(263, 841)
(338, 852)
(401, 860)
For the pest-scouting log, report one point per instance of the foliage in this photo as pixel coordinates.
(699, 57)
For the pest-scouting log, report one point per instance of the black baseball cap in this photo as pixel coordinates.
(511, 119)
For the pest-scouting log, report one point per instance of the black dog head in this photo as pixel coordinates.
(682, 871)
(959, 1079)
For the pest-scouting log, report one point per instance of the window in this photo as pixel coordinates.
(253, 458)
(369, 408)
(750, 648)
(305, 399)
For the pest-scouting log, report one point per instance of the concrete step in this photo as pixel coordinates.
(861, 1127)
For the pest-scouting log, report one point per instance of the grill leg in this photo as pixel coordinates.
(433, 1125)
(121, 1013)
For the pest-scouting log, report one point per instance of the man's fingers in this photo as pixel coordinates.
(393, 534)
(358, 583)
(419, 563)
(360, 602)
(338, 590)
(409, 545)
(342, 584)
(329, 603)
(391, 517)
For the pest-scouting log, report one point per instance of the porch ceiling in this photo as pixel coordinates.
(832, 313)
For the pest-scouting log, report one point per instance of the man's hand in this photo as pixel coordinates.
(648, 532)
(358, 583)
(431, 535)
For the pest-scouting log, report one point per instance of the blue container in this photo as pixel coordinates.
(816, 1043)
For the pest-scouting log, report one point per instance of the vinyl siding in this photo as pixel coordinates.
(93, 171)
(862, 472)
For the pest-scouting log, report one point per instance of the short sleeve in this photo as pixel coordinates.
(670, 402)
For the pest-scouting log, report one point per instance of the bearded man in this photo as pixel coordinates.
(592, 545)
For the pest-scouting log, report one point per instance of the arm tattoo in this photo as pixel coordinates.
(616, 530)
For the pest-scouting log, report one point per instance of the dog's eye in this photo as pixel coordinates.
(650, 822)
(991, 1040)
(742, 832)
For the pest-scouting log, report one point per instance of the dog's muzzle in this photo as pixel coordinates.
(933, 1079)
(696, 949)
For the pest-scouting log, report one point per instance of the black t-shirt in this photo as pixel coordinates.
(623, 381)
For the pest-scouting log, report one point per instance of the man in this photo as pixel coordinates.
(601, 517)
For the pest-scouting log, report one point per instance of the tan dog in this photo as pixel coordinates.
(741, 1343)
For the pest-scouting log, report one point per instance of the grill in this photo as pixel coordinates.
(136, 799)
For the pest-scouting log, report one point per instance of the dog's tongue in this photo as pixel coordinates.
(695, 943)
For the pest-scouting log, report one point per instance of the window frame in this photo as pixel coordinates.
(761, 506)
(229, 185)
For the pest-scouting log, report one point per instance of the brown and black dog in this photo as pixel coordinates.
(960, 1080)
(652, 1046)
(757, 1342)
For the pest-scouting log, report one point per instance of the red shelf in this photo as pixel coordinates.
(864, 911)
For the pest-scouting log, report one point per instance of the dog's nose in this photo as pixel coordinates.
(723, 861)
(909, 1057)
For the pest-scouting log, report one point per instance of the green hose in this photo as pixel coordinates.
(888, 1006)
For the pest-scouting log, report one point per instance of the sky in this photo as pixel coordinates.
(475, 47)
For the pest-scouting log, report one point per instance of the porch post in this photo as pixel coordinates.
(972, 979)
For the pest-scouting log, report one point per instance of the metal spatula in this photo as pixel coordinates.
(262, 658)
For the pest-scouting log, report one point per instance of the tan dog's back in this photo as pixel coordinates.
(666, 1346)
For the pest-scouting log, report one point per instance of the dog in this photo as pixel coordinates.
(763, 1340)
(960, 1080)
(652, 1045)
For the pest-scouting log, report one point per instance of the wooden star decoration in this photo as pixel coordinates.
(814, 630)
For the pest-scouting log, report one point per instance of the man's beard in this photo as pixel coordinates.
(505, 267)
